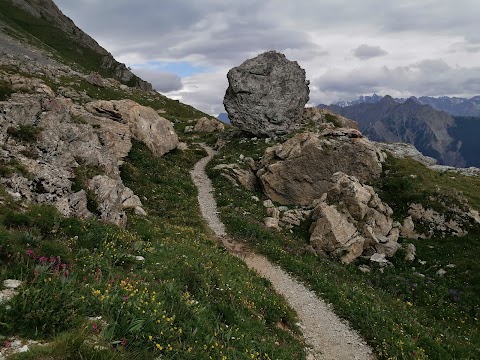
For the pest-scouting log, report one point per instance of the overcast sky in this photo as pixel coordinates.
(348, 48)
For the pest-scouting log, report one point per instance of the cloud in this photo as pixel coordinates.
(204, 91)
(429, 77)
(161, 81)
(365, 52)
(207, 38)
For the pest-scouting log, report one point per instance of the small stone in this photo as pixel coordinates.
(139, 211)
(12, 284)
(255, 198)
(364, 268)
(139, 258)
(441, 272)
(268, 203)
(411, 251)
(422, 262)
(451, 266)
(271, 223)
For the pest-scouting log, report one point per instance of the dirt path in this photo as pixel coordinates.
(328, 336)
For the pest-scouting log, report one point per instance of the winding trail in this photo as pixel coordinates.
(328, 336)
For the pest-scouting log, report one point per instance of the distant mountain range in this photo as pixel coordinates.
(455, 106)
(450, 140)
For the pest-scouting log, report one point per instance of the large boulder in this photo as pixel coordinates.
(113, 198)
(206, 125)
(266, 95)
(145, 124)
(351, 220)
(299, 170)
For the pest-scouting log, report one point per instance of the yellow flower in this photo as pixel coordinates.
(159, 347)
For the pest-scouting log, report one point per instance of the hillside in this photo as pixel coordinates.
(435, 133)
(106, 253)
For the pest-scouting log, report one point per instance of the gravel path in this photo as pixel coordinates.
(328, 336)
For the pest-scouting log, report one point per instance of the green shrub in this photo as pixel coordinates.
(26, 133)
(5, 91)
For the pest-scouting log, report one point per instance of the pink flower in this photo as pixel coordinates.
(43, 259)
(124, 342)
(95, 328)
(6, 344)
(125, 298)
(30, 253)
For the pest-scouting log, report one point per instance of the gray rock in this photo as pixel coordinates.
(351, 220)
(271, 223)
(411, 252)
(144, 123)
(300, 170)
(206, 125)
(266, 95)
(113, 198)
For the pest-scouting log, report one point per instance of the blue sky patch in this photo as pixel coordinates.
(182, 68)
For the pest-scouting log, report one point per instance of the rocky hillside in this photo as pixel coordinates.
(42, 24)
(434, 133)
(104, 253)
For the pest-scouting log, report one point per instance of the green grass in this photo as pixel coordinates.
(189, 296)
(400, 313)
(26, 133)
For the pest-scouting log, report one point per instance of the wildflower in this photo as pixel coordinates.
(124, 342)
(159, 347)
(95, 328)
(43, 259)
(6, 344)
(30, 253)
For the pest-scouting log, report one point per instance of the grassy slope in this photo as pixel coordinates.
(402, 315)
(189, 299)
(189, 296)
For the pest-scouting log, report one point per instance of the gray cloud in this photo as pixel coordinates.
(429, 77)
(161, 81)
(365, 52)
(219, 34)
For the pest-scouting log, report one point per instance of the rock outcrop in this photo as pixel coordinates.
(266, 95)
(351, 220)
(144, 123)
(51, 140)
(299, 170)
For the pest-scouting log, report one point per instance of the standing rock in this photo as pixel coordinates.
(266, 95)
(113, 198)
(351, 220)
(300, 170)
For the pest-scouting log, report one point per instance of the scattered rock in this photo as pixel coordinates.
(411, 252)
(351, 220)
(450, 266)
(271, 223)
(188, 129)
(266, 95)
(11, 286)
(96, 79)
(239, 176)
(299, 170)
(268, 203)
(379, 259)
(364, 268)
(206, 125)
(182, 146)
(441, 272)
